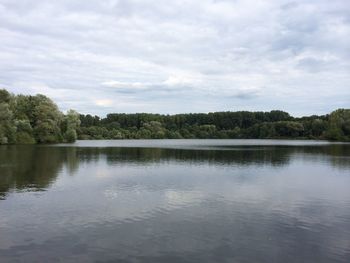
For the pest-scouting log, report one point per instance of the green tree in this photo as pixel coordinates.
(339, 125)
(7, 126)
(155, 128)
(24, 134)
(47, 120)
(5, 96)
(71, 124)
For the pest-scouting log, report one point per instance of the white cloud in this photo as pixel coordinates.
(159, 56)
(123, 85)
(104, 102)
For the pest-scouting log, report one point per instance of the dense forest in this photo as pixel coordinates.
(217, 125)
(36, 119)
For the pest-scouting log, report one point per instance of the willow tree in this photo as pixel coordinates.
(7, 127)
(71, 123)
(46, 120)
(30, 119)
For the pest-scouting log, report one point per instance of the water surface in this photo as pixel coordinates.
(175, 201)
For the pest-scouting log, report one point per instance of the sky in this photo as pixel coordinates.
(103, 56)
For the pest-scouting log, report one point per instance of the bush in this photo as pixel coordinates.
(70, 136)
(24, 138)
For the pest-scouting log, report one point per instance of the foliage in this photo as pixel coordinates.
(339, 125)
(34, 119)
(220, 125)
(24, 133)
(70, 124)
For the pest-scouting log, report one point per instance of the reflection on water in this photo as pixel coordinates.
(220, 202)
(32, 168)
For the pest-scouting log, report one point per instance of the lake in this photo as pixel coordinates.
(175, 201)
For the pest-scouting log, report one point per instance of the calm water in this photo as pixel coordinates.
(175, 201)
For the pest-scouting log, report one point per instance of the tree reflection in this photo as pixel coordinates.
(36, 168)
(32, 168)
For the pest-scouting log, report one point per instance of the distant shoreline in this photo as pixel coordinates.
(27, 119)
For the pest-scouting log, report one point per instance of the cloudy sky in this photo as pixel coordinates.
(100, 56)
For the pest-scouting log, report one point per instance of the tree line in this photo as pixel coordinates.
(37, 119)
(217, 125)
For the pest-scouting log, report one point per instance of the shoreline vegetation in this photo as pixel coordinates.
(26, 119)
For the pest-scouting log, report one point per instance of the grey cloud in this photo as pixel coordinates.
(314, 65)
(201, 52)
